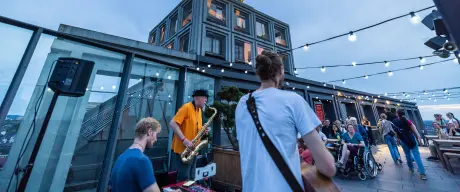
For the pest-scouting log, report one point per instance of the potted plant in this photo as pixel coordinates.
(228, 171)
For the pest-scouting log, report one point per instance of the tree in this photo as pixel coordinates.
(229, 97)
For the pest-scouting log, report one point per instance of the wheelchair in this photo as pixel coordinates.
(363, 164)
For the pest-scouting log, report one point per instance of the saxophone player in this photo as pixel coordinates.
(186, 124)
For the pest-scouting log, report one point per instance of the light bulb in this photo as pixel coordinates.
(352, 37)
(140, 79)
(325, 84)
(421, 100)
(424, 92)
(414, 18)
(448, 98)
(344, 82)
(203, 70)
(308, 87)
(366, 77)
(295, 71)
(157, 74)
(246, 71)
(231, 64)
(305, 47)
(448, 93)
(209, 66)
(390, 73)
(222, 70)
(323, 69)
(198, 68)
(422, 60)
(250, 63)
(293, 88)
(102, 88)
(387, 64)
(421, 67)
(418, 96)
(429, 98)
(169, 76)
(445, 90)
(455, 60)
(433, 95)
(434, 100)
(386, 94)
(114, 87)
(353, 63)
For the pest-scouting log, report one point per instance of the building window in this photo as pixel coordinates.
(216, 12)
(187, 13)
(242, 51)
(162, 33)
(242, 21)
(173, 25)
(280, 36)
(262, 29)
(170, 46)
(214, 45)
(184, 40)
(152, 38)
(285, 59)
(260, 49)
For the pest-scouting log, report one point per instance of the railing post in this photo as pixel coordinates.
(113, 134)
(20, 72)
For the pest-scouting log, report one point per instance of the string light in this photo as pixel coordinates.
(448, 98)
(445, 90)
(209, 66)
(415, 19)
(360, 29)
(203, 70)
(390, 73)
(387, 64)
(352, 36)
(246, 71)
(198, 68)
(157, 74)
(344, 82)
(308, 87)
(222, 70)
(424, 92)
(295, 71)
(422, 60)
(305, 47)
(366, 77)
(325, 84)
(386, 94)
(353, 64)
(456, 60)
(250, 63)
(323, 69)
(421, 67)
(231, 64)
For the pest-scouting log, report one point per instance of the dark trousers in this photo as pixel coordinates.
(185, 171)
(371, 136)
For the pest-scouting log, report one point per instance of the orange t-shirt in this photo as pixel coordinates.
(190, 122)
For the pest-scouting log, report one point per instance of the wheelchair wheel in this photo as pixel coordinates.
(379, 166)
(370, 165)
(362, 176)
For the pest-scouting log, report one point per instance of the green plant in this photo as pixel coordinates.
(229, 97)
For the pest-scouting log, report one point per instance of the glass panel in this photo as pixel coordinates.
(214, 45)
(80, 124)
(262, 29)
(216, 12)
(152, 38)
(172, 27)
(242, 21)
(243, 51)
(162, 33)
(260, 49)
(184, 41)
(280, 36)
(13, 43)
(187, 13)
(152, 92)
(195, 81)
(285, 59)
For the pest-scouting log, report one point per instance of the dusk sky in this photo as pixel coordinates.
(309, 21)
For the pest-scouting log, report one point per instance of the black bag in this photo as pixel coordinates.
(274, 153)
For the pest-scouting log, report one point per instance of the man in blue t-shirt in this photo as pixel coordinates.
(133, 170)
(351, 142)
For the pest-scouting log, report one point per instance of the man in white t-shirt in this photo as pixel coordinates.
(283, 115)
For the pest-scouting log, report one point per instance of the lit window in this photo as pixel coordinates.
(184, 40)
(170, 46)
(242, 51)
(242, 21)
(280, 36)
(173, 25)
(260, 49)
(214, 45)
(216, 12)
(285, 59)
(187, 13)
(152, 38)
(162, 33)
(262, 29)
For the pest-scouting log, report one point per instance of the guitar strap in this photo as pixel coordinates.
(274, 153)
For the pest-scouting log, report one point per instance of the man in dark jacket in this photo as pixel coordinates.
(390, 115)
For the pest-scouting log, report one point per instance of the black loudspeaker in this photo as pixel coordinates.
(70, 76)
(436, 43)
(440, 28)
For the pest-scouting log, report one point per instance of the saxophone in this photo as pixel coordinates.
(191, 152)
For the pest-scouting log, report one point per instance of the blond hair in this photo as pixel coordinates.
(143, 126)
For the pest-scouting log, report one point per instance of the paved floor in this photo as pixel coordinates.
(397, 178)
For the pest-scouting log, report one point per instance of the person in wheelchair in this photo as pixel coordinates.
(351, 142)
